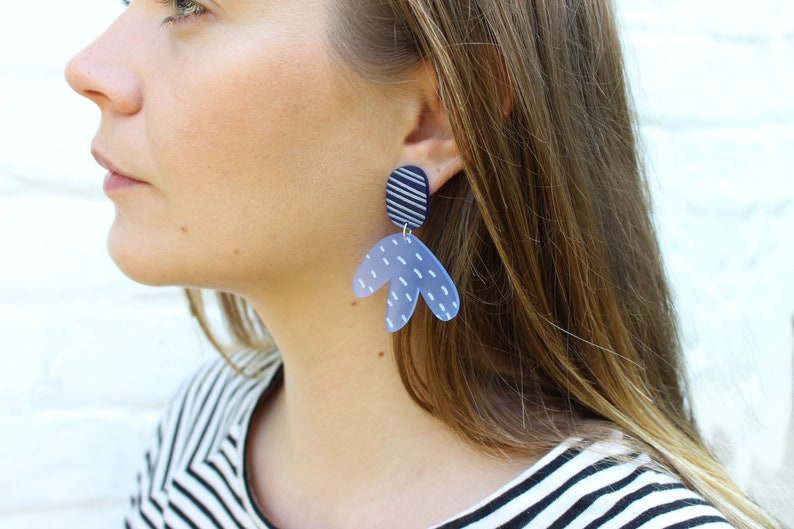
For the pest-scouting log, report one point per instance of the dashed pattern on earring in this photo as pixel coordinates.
(411, 269)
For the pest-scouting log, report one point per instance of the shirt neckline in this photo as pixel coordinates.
(273, 380)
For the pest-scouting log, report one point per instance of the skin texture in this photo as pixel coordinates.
(261, 165)
(230, 111)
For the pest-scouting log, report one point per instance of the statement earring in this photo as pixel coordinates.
(404, 261)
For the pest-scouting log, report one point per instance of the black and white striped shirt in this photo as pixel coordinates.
(194, 474)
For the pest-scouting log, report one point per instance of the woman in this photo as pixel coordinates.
(249, 145)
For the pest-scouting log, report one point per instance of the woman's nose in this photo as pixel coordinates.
(105, 72)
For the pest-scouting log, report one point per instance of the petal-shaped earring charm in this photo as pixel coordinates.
(404, 261)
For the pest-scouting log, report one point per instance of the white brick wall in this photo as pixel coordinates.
(87, 358)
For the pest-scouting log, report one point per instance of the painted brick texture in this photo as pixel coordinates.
(88, 358)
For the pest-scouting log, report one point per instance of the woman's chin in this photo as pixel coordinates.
(141, 273)
(140, 262)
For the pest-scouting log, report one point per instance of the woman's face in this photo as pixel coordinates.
(240, 152)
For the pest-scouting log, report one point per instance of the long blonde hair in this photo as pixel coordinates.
(566, 318)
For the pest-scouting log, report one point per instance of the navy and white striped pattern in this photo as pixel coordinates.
(407, 197)
(194, 474)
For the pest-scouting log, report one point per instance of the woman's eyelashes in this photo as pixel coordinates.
(183, 10)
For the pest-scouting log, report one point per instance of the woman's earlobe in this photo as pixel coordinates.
(432, 146)
(442, 173)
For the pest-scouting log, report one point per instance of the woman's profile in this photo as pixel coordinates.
(430, 234)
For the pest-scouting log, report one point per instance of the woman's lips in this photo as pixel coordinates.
(115, 181)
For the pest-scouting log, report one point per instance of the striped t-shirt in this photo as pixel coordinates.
(194, 475)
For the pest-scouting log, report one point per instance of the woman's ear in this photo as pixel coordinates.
(430, 144)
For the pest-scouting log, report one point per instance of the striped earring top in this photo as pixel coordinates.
(407, 197)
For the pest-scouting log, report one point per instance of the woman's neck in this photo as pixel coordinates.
(343, 435)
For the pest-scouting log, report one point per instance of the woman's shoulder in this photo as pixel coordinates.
(222, 383)
(199, 444)
(594, 484)
(237, 368)
(215, 402)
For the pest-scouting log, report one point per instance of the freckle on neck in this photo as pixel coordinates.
(184, 229)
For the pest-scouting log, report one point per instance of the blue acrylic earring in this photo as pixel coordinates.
(404, 261)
